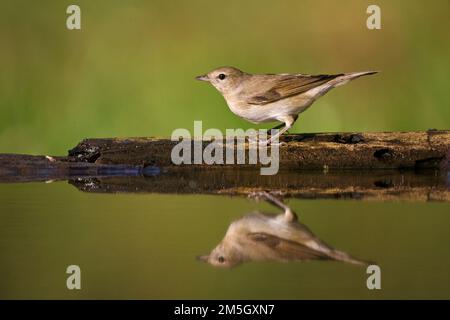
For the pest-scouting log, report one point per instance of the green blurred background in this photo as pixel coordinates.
(130, 70)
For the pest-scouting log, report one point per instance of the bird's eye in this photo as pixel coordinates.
(221, 259)
(222, 76)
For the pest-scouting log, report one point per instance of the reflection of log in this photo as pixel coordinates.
(24, 168)
(361, 185)
(301, 151)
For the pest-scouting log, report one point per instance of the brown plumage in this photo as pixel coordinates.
(267, 237)
(285, 86)
(273, 97)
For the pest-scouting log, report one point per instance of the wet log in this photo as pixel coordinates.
(409, 185)
(27, 168)
(378, 166)
(380, 150)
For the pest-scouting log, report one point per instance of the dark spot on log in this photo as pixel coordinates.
(348, 139)
(384, 154)
(383, 184)
(85, 153)
(87, 184)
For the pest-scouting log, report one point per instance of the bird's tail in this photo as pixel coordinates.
(346, 77)
(345, 257)
(354, 75)
(337, 81)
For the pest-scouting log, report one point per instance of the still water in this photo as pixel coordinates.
(146, 246)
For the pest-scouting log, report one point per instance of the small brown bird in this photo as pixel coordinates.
(266, 237)
(273, 97)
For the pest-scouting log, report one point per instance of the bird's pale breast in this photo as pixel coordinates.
(270, 112)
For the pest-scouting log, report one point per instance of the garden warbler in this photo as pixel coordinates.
(266, 237)
(273, 97)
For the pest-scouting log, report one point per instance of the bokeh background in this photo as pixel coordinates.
(130, 70)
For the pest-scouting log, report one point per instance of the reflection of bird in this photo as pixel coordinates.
(273, 97)
(262, 237)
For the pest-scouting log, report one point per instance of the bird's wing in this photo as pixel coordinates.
(277, 87)
(288, 249)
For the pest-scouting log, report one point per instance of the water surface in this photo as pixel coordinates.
(144, 246)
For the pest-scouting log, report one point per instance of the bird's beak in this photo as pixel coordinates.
(203, 77)
(203, 258)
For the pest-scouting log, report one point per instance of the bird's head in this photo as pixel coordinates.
(224, 79)
(223, 255)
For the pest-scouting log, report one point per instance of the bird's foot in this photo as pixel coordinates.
(264, 142)
(269, 134)
(278, 143)
(258, 195)
(267, 142)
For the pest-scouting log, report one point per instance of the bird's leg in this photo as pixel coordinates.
(287, 126)
(281, 125)
(289, 215)
(288, 122)
(278, 134)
